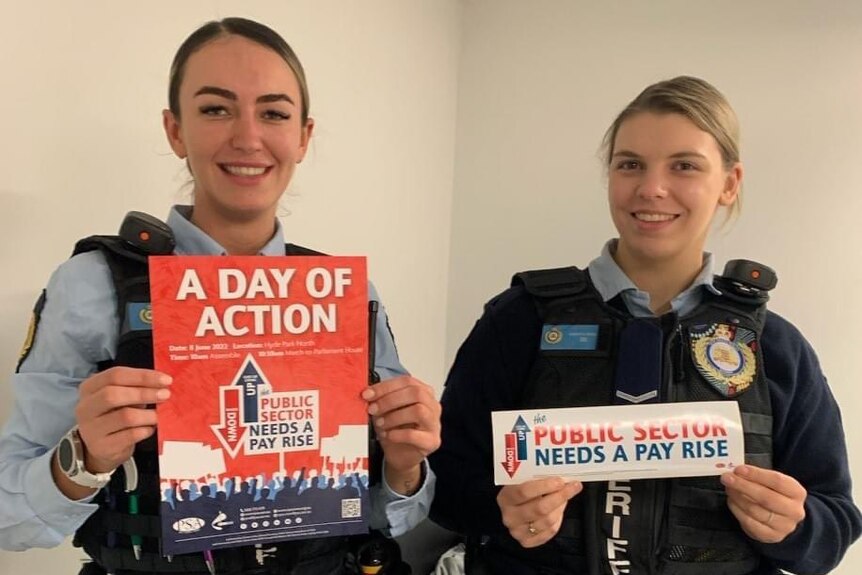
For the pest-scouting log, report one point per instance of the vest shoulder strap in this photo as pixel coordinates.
(110, 246)
(127, 263)
(553, 282)
(129, 274)
(140, 235)
(297, 250)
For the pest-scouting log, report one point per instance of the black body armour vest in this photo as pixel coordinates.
(106, 536)
(678, 526)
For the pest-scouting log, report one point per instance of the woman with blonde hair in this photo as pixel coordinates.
(652, 302)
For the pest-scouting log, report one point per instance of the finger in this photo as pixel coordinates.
(771, 479)
(518, 518)
(755, 508)
(98, 435)
(554, 502)
(120, 419)
(755, 528)
(116, 448)
(572, 488)
(426, 442)
(764, 522)
(783, 517)
(112, 397)
(385, 386)
(520, 494)
(542, 529)
(416, 416)
(129, 437)
(541, 533)
(748, 507)
(741, 487)
(125, 376)
(542, 512)
(531, 534)
(394, 384)
(403, 397)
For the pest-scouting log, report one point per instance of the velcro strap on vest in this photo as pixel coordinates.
(555, 282)
(143, 525)
(571, 528)
(121, 559)
(699, 498)
(757, 423)
(756, 451)
(745, 566)
(713, 539)
(763, 460)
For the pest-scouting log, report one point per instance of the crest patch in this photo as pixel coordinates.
(725, 356)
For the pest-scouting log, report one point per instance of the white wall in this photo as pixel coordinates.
(539, 82)
(83, 86)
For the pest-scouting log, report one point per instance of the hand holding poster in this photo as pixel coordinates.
(264, 437)
(618, 442)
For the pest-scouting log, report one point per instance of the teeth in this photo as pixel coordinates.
(244, 170)
(654, 217)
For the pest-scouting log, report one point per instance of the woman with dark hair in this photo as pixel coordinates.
(239, 116)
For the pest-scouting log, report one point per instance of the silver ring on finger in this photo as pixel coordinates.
(532, 528)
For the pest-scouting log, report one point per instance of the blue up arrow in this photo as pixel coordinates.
(520, 429)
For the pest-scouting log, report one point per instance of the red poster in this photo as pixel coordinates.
(264, 437)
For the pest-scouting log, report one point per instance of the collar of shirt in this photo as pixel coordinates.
(611, 280)
(191, 240)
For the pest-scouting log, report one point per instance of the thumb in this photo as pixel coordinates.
(572, 488)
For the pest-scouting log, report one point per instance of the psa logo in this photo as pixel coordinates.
(516, 447)
(188, 525)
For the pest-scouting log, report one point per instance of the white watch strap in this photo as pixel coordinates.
(78, 473)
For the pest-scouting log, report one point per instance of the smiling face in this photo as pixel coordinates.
(240, 129)
(666, 179)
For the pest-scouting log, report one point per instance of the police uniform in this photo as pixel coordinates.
(78, 332)
(680, 526)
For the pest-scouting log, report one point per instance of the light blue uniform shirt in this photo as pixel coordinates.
(78, 329)
(610, 280)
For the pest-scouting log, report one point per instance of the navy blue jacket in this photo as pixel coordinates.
(493, 365)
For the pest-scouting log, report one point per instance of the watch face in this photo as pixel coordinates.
(65, 455)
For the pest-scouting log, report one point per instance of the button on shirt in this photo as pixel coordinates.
(78, 329)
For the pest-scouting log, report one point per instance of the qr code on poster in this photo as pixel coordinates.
(351, 508)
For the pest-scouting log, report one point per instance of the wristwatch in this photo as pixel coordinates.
(70, 456)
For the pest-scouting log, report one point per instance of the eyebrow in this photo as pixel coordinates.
(229, 95)
(684, 154)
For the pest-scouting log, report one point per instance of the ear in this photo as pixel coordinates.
(732, 185)
(174, 134)
(305, 138)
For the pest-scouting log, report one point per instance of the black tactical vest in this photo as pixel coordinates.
(673, 527)
(106, 536)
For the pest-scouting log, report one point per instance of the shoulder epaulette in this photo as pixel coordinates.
(554, 282)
